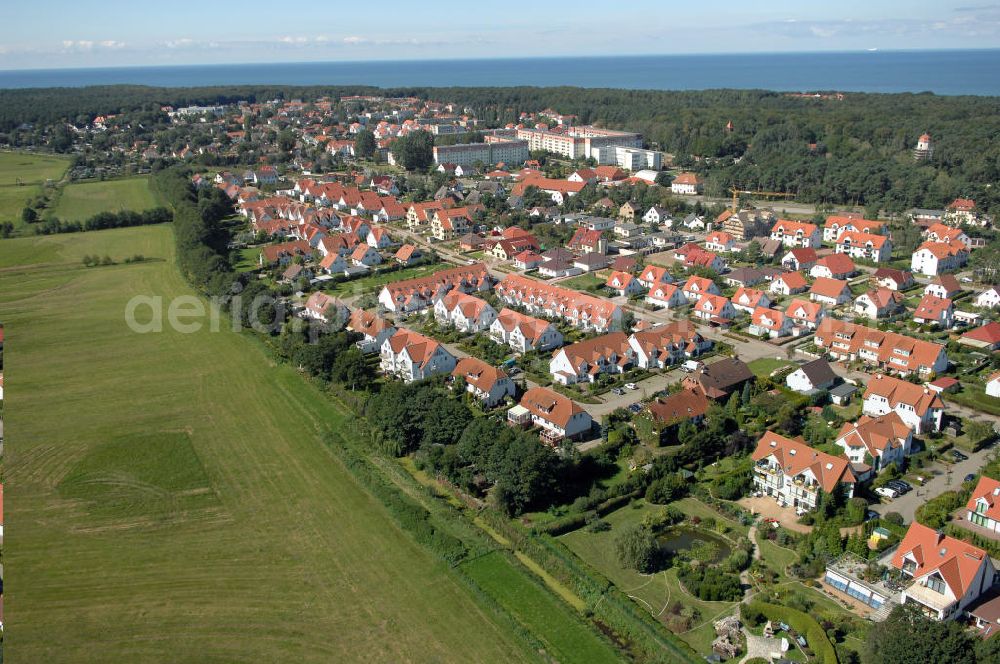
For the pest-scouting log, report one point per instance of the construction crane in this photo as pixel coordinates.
(737, 192)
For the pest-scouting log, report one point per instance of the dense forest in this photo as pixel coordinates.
(850, 150)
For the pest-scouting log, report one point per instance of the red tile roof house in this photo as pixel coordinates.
(283, 253)
(800, 258)
(834, 266)
(715, 309)
(987, 336)
(919, 407)
(893, 279)
(878, 303)
(831, 292)
(794, 473)
(788, 284)
(422, 292)
(411, 356)
(796, 233)
(488, 384)
(934, 311)
(889, 351)
(933, 258)
(581, 310)
(322, 307)
(769, 323)
(876, 248)
(467, 313)
(653, 275)
(407, 255)
(984, 506)
(697, 287)
(948, 574)
(524, 333)
(944, 286)
(558, 416)
(805, 314)
(748, 299)
(587, 241)
(623, 284)
(584, 361)
(664, 345)
(667, 296)
(876, 441)
(688, 405)
(373, 328)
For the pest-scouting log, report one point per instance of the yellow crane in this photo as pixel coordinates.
(737, 192)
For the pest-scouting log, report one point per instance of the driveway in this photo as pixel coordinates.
(950, 479)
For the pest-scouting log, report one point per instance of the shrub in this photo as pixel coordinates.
(636, 549)
(710, 584)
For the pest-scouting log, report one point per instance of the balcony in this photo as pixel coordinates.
(938, 603)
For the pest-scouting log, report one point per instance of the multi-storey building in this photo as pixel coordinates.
(795, 473)
(488, 153)
(886, 350)
(578, 142)
(584, 311)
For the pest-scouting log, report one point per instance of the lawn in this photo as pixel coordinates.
(375, 281)
(975, 397)
(21, 178)
(173, 499)
(584, 282)
(764, 366)
(657, 591)
(81, 201)
(566, 638)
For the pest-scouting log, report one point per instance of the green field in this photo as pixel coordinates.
(565, 637)
(21, 178)
(83, 200)
(169, 496)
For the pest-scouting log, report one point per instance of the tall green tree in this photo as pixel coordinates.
(364, 144)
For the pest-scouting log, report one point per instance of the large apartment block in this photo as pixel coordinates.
(578, 142)
(467, 154)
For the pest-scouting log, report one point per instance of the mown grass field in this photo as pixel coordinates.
(21, 178)
(83, 200)
(564, 636)
(169, 496)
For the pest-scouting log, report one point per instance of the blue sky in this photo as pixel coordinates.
(61, 33)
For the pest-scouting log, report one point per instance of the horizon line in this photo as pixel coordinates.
(873, 51)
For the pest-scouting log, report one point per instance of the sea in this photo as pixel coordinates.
(943, 72)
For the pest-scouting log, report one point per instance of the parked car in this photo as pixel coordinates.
(635, 408)
(886, 492)
(899, 485)
(959, 456)
(631, 386)
(871, 515)
(969, 477)
(618, 391)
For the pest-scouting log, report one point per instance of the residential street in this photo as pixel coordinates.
(950, 477)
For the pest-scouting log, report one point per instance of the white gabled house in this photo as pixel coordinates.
(667, 296)
(524, 333)
(487, 383)
(410, 356)
(876, 441)
(918, 406)
(989, 298)
(467, 313)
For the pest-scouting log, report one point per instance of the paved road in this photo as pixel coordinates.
(950, 478)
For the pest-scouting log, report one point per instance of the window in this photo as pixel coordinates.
(935, 583)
